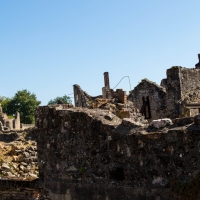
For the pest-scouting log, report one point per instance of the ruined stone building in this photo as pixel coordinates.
(12, 124)
(103, 148)
(170, 99)
(6, 123)
(153, 101)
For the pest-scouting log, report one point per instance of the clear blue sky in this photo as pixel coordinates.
(46, 46)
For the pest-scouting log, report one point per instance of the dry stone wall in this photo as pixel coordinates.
(92, 154)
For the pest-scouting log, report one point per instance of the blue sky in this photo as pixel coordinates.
(47, 46)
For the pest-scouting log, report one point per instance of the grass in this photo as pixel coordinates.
(10, 117)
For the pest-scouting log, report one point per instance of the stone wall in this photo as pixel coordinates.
(21, 190)
(80, 98)
(26, 126)
(16, 121)
(9, 124)
(92, 154)
(190, 84)
(183, 85)
(173, 89)
(156, 94)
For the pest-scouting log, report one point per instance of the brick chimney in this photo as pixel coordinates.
(198, 64)
(106, 89)
(106, 80)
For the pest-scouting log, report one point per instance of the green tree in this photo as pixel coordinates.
(25, 103)
(65, 99)
(4, 103)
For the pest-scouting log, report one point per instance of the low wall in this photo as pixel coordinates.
(21, 190)
(25, 126)
(92, 154)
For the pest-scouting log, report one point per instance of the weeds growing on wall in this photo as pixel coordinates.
(81, 170)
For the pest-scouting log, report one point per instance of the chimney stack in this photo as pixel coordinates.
(106, 80)
(106, 89)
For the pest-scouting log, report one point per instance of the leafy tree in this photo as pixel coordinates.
(25, 103)
(4, 103)
(64, 99)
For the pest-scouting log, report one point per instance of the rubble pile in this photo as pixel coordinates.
(18, 159)
(121, 110)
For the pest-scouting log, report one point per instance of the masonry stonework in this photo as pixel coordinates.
(156, 95)
(182, 86)
(92, 154)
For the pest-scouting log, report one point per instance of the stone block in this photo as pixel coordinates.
(160, 123)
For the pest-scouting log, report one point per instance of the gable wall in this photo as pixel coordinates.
(157, 98)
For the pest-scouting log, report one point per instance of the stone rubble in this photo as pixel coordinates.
(121, 110)
(18, 158)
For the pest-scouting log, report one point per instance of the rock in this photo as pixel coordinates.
(9, 174)
(71, 168)
(5, 166)
(128, 122)
(26, 154)
(22, 167)
(33, 175)
(14, 166)
(160, 123)
(31, 148)
(109, 117)
(197, 120)
(23, 163)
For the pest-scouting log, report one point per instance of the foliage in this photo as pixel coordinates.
(81, 170)
(4, 103)
(65, 99)
(25, 103)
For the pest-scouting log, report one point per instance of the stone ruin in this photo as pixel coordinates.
(88, 153)
(103, 147)
(7, 124)
(173, 98)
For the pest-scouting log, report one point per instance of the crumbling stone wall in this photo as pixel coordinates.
(81, 98)
(119, 95)
(21, 190)
(183, 85)
(190, 84)
(9, 124)
(156, 94)
(92, 154)
(173, 89)
(16, 121)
